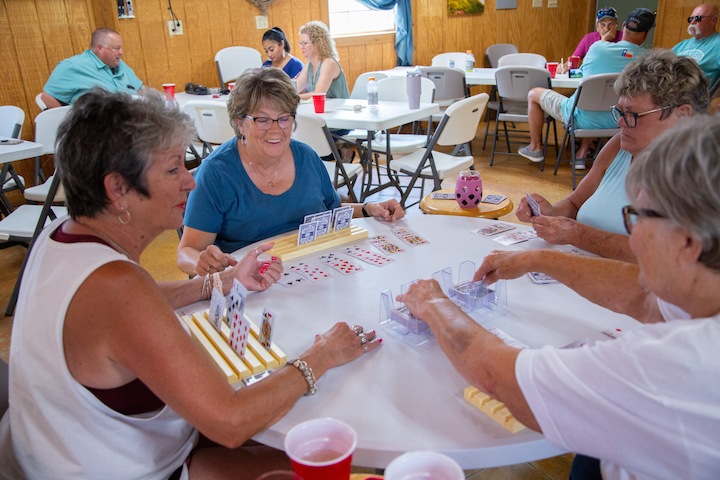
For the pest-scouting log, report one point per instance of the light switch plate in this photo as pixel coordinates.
(261, 22)
(552, 3)
(537, 3)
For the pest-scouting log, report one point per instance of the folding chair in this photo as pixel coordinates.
(211, 122)
(444, 59)
(594, 94)
(524, 59)
(23, 226)
(312, 130)
(513, 84)
(494, 53)
(11, 123)
(450, 86)
(359, 91)
(458, 127)
(231, 62)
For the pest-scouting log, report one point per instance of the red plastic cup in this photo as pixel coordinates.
(321, 449)
(169, 89)
(231, 85)
(552, 68)
(319, 102)
(574, 61)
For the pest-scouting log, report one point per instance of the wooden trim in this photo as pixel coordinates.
(354, 40)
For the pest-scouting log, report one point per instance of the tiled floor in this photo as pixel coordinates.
(511, 176)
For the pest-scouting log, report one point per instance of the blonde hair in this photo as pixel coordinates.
(319, 34)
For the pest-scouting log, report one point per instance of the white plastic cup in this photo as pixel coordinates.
(424, 466)
(413, 91)
(321, 449)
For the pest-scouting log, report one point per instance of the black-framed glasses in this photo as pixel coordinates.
(698, 18)
(630, 118)
(607, 12)
(631, 215)
(265, 123)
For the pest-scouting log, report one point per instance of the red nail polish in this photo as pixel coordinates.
(274, 258)
(379, 340)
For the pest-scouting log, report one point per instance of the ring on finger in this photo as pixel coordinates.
(363, 339)
(358, 329)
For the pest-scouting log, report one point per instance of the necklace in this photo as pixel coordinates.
(107, 239)
(270, 182)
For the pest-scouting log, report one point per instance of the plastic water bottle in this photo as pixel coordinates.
(372, 94)
(469, 61)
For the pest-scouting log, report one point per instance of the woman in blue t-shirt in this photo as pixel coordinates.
(277, 47)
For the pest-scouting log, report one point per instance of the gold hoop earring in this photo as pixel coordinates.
(124, 216)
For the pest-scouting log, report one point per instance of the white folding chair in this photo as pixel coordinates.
(211, 122)
(40, 103)
(359, 91)
(458, 127)
(231, 62)
(513, 85)
(22, 226)
(444, 59)
(11, 123)
(524, 59)
(494, 53)
(450, 86)
(312, 130)
(594, 94)
(46, 125)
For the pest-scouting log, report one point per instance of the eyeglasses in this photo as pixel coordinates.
(630, 216)
(607, 12)
(630, 118)
(265, 123)
(698, 18)
(305, 44)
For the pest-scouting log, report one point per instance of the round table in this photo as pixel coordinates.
(450, 207)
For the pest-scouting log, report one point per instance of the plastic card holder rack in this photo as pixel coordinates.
(473, 297)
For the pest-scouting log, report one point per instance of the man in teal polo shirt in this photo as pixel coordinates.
(99, 66)
(704, 44)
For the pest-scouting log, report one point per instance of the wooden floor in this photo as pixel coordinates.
(512, 176)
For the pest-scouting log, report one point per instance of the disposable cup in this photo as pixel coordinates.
(169, 89)
(231, 85)
(321, 449)
(552, 68)
(319, 102)
(574, 61)
(424, 466)
(280, 475)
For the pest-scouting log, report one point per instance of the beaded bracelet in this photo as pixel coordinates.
(307, 373)
(206, 288)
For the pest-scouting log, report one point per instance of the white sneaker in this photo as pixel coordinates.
(532, 155)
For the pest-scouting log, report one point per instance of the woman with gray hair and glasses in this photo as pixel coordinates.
(261, 183)
(658, 91)
(645, 403)
(104, 380)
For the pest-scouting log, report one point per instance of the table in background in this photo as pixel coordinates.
(450, 207)
(401, 397)
(13, 153)
(486, 76)
(341, 114)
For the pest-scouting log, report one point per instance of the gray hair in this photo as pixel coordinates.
(258, 86)
(679, 174)
(670, 80)
(112, 132)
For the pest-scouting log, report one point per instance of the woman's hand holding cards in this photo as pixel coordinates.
(557, 230)
(256, 270)
(525, 213)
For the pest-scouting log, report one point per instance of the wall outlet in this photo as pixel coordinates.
(175, 27)
(261, 22)
(552, 3)
(537, 3)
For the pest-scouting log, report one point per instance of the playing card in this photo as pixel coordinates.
(534, 207)
(408, 236)
(307, 233)
(541, 278)
(217, 308)
(493, 229)
(289, 279)
(239, 326)
(342, 216)
(368, 256)
(310, 271)
(516, 237)
(382, 243)
(494, 199)
(342, 265)
(266, 329)
(442, 196)
(323, 220)
(614, 332)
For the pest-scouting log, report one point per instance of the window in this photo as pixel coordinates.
(348, 17)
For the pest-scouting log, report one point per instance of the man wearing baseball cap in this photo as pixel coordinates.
(606, 28)
(704, 44)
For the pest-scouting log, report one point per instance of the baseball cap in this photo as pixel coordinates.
(640, 20)
(606, 12)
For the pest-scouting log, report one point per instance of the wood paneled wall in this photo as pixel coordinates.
(36, 34)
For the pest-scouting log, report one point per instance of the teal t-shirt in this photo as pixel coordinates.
(603, 210)
(74, 76)
(602, 57)
(338, 87)
(705, 52)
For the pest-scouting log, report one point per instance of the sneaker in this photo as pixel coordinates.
(532, 155)
(579, 164)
